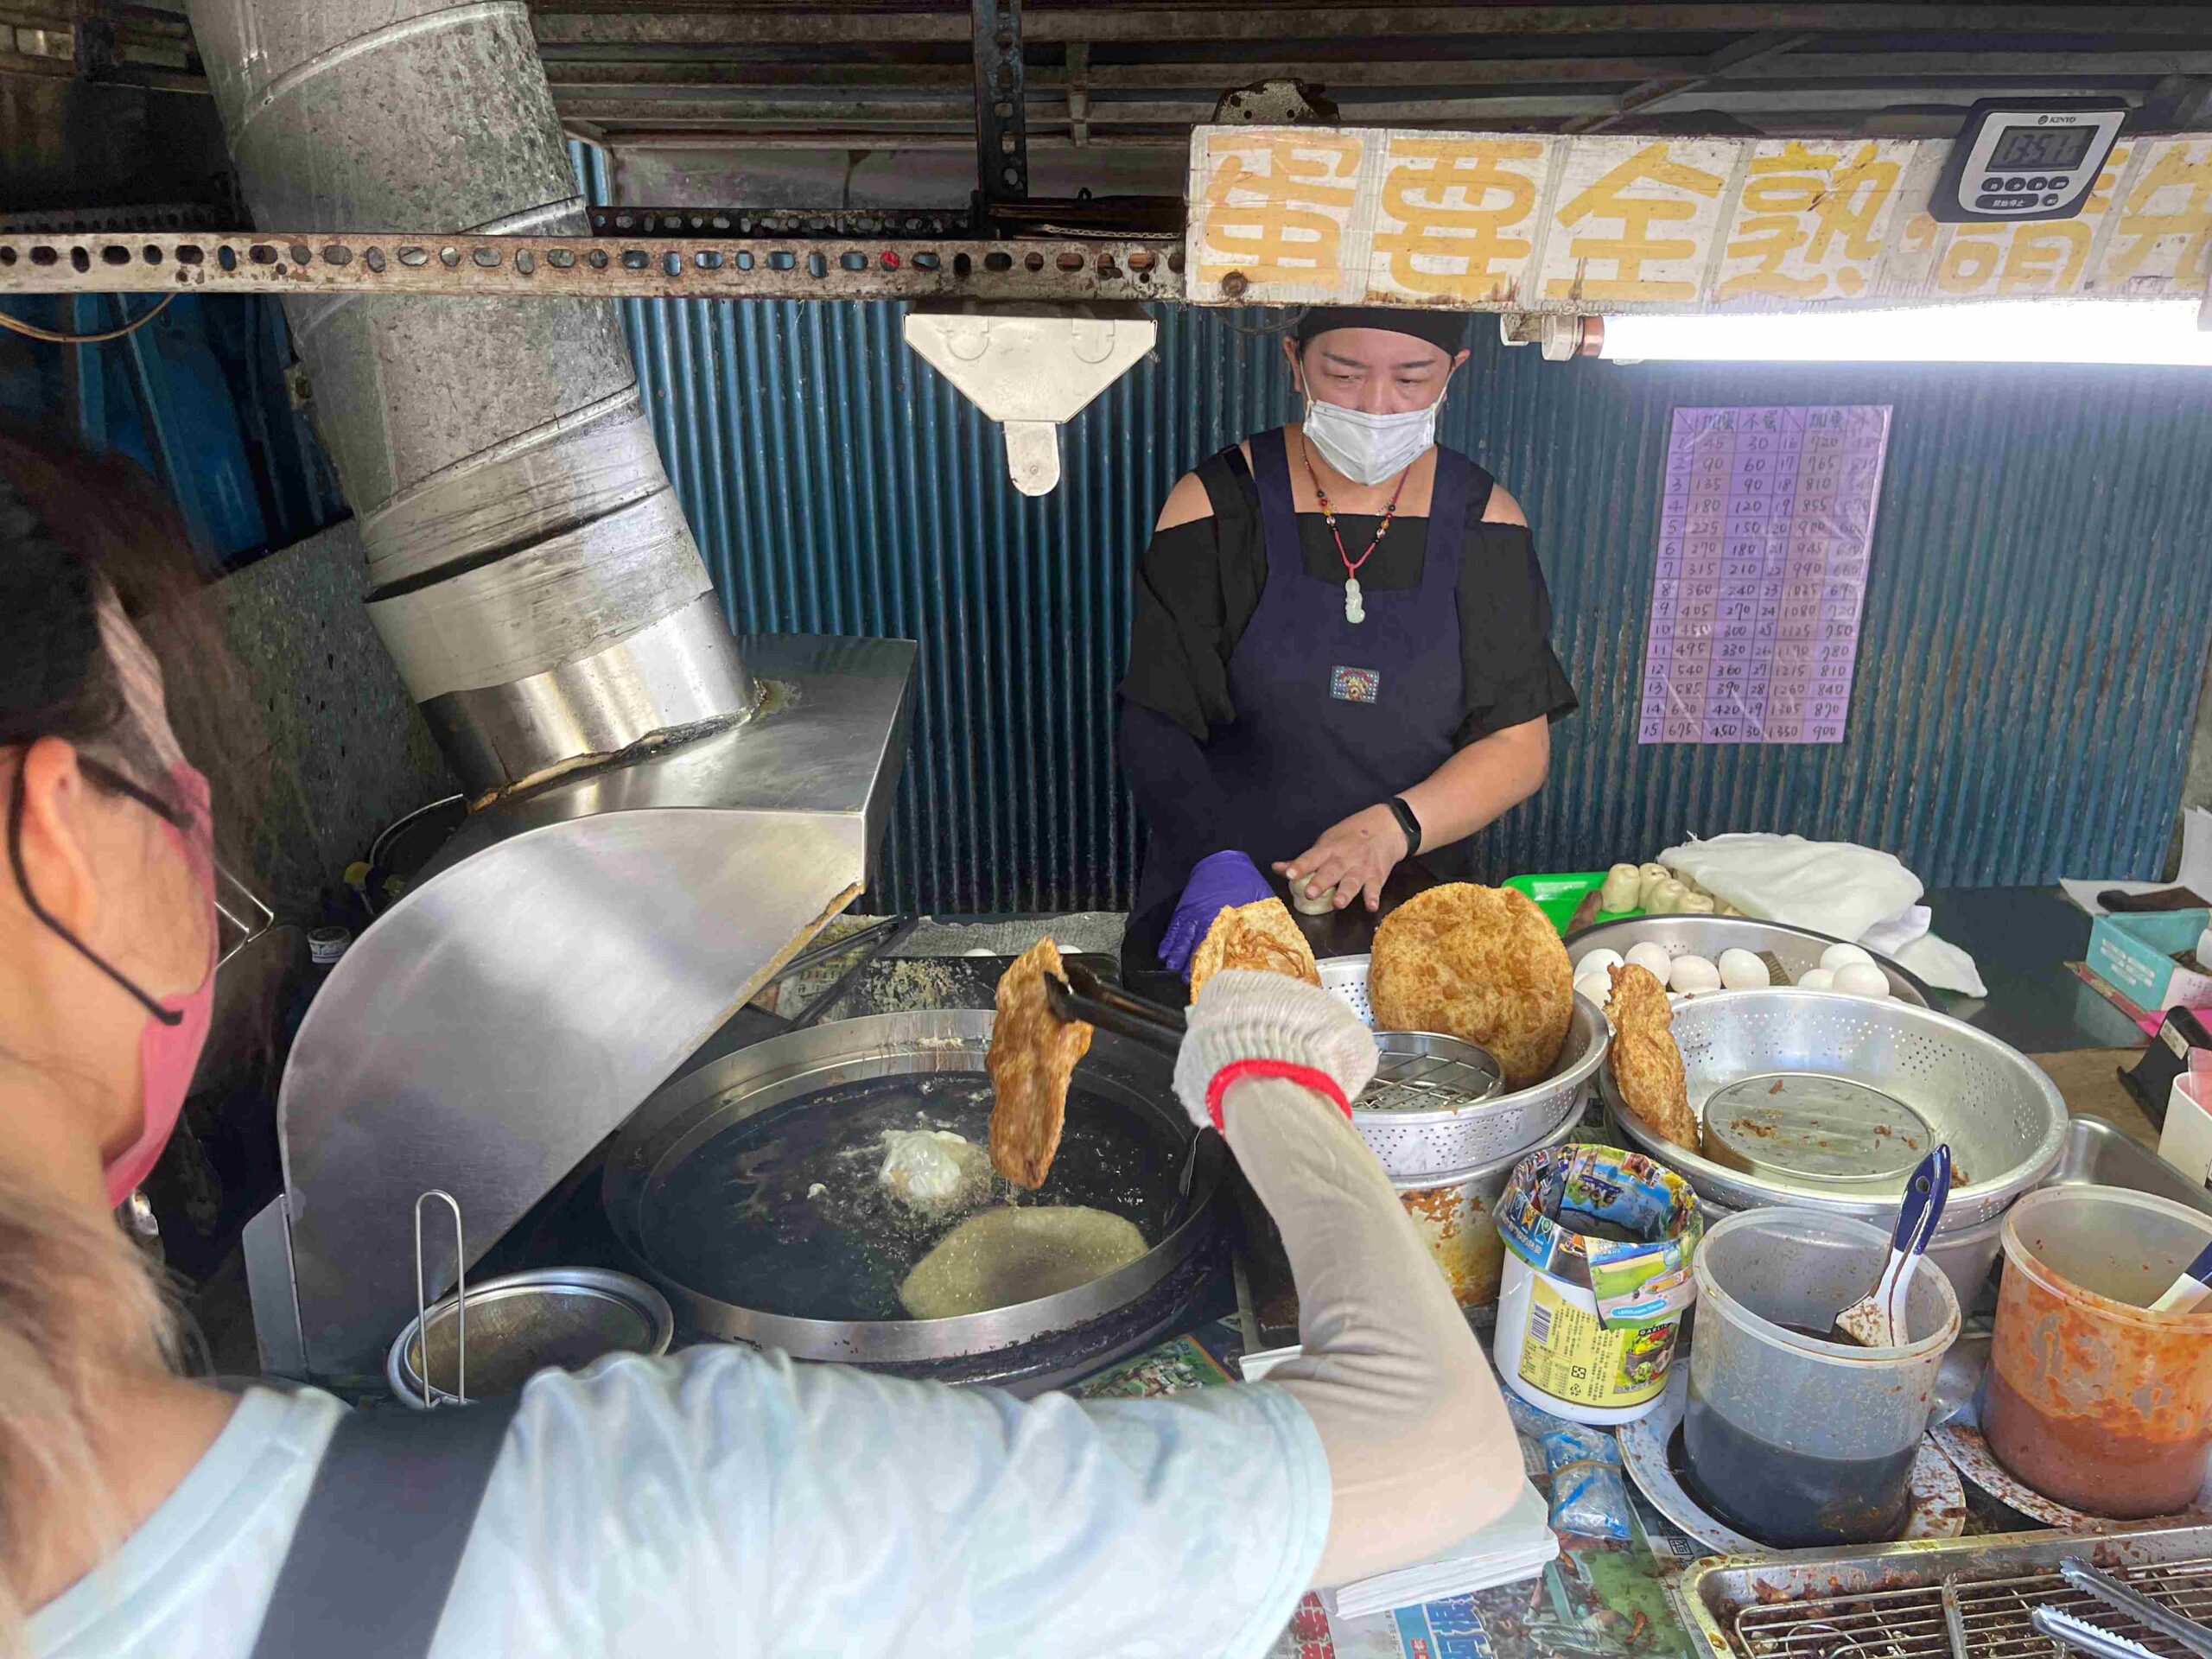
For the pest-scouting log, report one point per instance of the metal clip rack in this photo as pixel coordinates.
(433, 1395)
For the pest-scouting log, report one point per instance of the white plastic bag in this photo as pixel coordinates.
(1836, 887)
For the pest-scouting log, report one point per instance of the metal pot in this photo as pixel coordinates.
(1456, 1217)
(521, 1323)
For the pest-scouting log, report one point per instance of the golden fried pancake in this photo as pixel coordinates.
(1031, 1059)
(1646, 1064)
(1481, 964)
(1261, 936)
(1006, 1256)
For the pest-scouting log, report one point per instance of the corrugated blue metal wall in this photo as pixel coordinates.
(2036, 622)
(198, 397)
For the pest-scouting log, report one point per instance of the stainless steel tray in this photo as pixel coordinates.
(1885, 1601)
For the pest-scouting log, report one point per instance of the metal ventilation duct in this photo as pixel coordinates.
(654, 833)
(534, 577)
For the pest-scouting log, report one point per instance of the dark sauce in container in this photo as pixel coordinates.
(1788, 1498)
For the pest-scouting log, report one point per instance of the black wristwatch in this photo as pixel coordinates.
(1407, 823)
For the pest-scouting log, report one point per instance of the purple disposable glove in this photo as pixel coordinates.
(1219, 881)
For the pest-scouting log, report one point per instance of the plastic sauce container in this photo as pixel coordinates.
(1791, 1438)
(1597, 1245)
(2090, 1398)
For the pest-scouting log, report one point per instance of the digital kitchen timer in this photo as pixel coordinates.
(2026, 158)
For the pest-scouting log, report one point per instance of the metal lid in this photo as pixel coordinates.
(1425, 1071)
(1809, 1126)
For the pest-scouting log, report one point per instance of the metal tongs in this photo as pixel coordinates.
(2079, 1633)
(1083, 996)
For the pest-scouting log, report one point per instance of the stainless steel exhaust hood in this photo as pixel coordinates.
(662, 812)
(572, 948)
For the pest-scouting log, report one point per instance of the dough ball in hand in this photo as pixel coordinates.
(1480, 963)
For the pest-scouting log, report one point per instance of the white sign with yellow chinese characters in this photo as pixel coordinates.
(1532, 222)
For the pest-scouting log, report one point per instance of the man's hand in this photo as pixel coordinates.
(1355, 857)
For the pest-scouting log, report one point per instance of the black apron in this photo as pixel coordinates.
(1331, 716)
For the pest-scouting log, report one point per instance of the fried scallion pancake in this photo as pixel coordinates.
(1479, 963)
(1261, 937)
(1646, 1064)
(1005, 1255)
(1032, 1055)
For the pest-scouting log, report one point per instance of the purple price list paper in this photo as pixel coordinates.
(1762, 573)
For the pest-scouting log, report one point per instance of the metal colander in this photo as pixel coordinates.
(1345, 979)
(2005, 1120)
(1469, 1128)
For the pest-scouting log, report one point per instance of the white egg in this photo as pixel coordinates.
(1816, 979)
(1596, 962)
(1596, 987)
(1693, 973)
(1652, 958)
(1742, 971)
(1842, 955)
(1862, 979)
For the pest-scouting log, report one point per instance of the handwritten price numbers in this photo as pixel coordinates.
(1761, 574)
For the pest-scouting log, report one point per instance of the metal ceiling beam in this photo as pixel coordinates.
(1153, 24)
(1754, 50)
(339, 264)
(886, 113)
(1001, 102)
(1965, 68)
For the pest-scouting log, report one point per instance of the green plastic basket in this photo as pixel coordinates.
(1557, 895)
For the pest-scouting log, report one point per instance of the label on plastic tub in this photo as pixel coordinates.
(1571, 1356)
(1639, 1288)
(1557, 1201)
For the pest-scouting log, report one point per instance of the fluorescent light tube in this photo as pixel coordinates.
(2161, 332)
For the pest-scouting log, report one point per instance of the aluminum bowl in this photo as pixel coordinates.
(1435, 1147)
(1798, 949)
(2004, 1119)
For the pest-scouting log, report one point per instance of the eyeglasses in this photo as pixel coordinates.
(240, 916)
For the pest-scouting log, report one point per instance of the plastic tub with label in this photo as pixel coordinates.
(1597, 1246)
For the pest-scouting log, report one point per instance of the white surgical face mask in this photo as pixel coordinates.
(1368, 449)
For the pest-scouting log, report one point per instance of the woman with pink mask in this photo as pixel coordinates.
(723, 1500)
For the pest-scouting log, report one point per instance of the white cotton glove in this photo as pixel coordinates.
(1255, 1016)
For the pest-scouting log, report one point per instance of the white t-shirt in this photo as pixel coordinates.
(730, 1502)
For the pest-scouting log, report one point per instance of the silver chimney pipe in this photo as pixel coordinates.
(592, 924)
(533, 576)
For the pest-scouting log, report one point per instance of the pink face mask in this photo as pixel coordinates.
(168, 1049)
(176, 1026)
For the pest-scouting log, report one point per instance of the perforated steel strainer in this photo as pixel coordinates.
(2003, 1119)
(1416, 1144)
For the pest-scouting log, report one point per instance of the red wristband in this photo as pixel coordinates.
(1306, 1075)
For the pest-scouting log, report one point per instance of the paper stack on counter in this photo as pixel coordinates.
(1515, 1546)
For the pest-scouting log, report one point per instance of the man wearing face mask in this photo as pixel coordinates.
(1338, 659)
